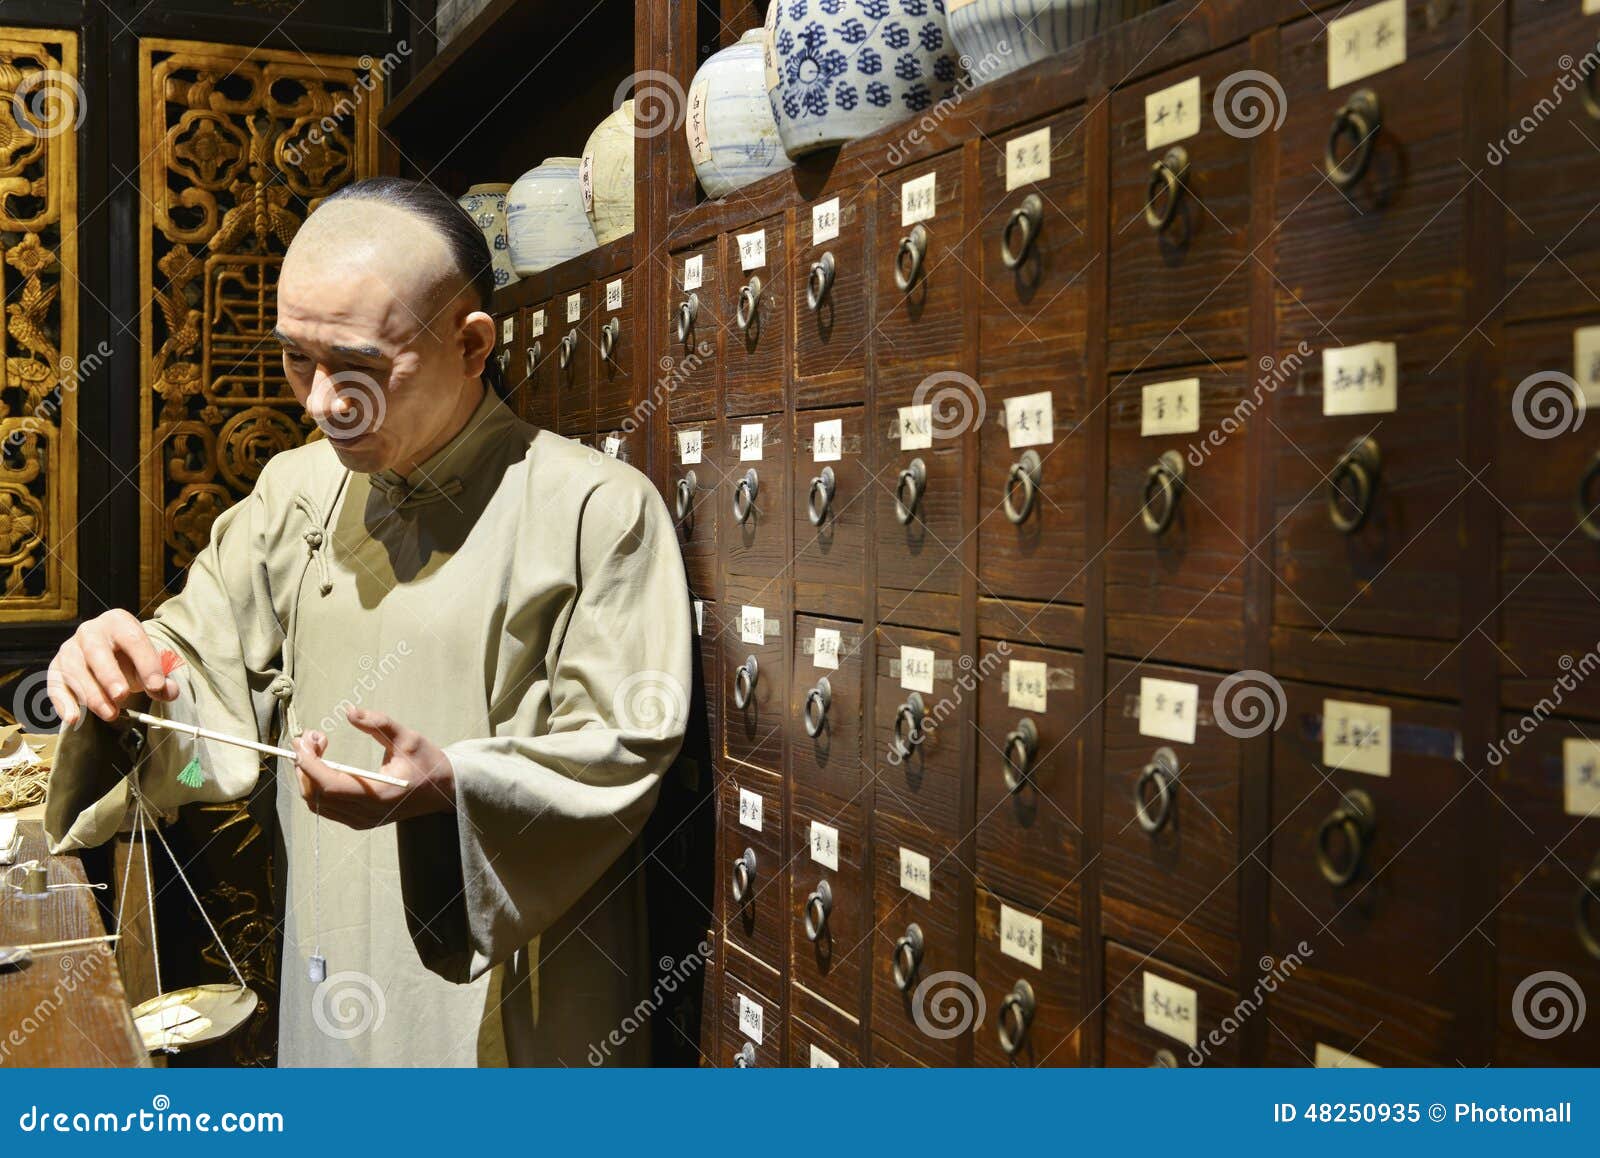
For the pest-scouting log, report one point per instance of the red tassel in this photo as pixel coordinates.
(170, 661)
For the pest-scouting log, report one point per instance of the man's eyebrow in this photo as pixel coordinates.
(283, 337)
(363, 351)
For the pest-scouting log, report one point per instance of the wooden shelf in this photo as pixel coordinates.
(608, 260)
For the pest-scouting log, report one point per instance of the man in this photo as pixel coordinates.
(503, 614)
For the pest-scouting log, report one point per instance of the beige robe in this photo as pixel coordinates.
(520, 600)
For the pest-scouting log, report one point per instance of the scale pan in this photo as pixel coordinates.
(187, 1018)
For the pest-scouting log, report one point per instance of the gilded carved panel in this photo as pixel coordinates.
(41, 108)
(238, 145)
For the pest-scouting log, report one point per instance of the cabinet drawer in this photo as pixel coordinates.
(1169, 824)
(711, 1002)
(916, 746)
(756, 702)
(1033, 478)
(919, 936)
(621, 445)
(574, 372)
(751, 871)
(707, 659)
(753, 296)
(829, 497)
(829, 291)
(829, 701)
(534, 366)
(1549, 524)
(1175, 517)
(1315, 1020)
(830, 898)
(1030, 971)
(752, 1029)
(1180, 263)
(755, 490)
(811, 1047)
(1030, 769)
(690, 342)
(887, 1055)
(695, 498)
(918, 515)
(921, 324)
(613, 355)
(1374, 240)
(1548, 919)
(1156, 1022)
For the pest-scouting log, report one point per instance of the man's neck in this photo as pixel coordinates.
(465, 407)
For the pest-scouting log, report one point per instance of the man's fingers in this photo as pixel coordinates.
(133, 643)
(85, 688)
(62, 697)
(389, 732)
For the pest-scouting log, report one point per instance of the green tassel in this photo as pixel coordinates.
(192, 776)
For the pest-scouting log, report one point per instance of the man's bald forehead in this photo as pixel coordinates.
(376, 240)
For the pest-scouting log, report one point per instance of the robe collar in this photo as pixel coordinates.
(439, 476)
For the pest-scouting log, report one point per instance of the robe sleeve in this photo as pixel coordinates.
(224, 628)
(581, 737)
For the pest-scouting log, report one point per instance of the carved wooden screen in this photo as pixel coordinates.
(238, 145)
(41, 108)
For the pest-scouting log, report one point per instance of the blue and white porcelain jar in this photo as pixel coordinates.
(544, 216)
(486, 205)
(733, 140)
(842, 69)
(1000, 36)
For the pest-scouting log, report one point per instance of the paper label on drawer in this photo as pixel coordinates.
(1171, 1008)
(822, 1060)
(1172, 114)
(536, 324)
(699, 142)
(1360, 379)
(750, 439)
(1028, 158)
(699, 617)
(916, 669)
(750, 1014)
(574, 307)
(916, 874)
(1328, 1057)
(825, 845)
(506, 326)
(825, 221)
(689, 442)
(1366, 42)
(1022, 937)
(827, 440)
(917, 199)
(916, 427)
(613, 295)
(693, 271)
(1355, 737)
(825, 648)
(1030, 419)
(1027, 683)
(750, 809)
(1591, 7)
(1170, 407)
(612, 446)
(1580, 763)
(586, 181)
(1586, 362)
(753, 250)
(1168, 709)
(752, 625)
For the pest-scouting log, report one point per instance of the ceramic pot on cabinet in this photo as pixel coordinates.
(997, 37)
(733, 140)
(486, 205)
(545, 220)
(607, 175)
(837, 70)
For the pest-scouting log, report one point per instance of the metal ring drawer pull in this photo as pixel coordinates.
(820, 497)
(907, 956)
(1024, 477)
(1167, 176)
(908, 726)
(688, 311)
(534, 353)
(1017, 1008)
(749, 298)
(1589, 910)
(908, 258)
(684, 501)
(908, 490)
(569, 343)
(1162, 772)
(1359, 119)
(504, 358)
(1355, 817)
(1587, 523)
(1163, 1059)
(744, 872)
(1022, 744)
(1024, 223)
(819, 281)
(1358, 467)
(744, 681)
(746, 1057)
(1164, 482)
(609, 333)
(818, 905)
(744, 495)
(815, 712)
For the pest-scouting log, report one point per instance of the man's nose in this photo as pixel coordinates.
(329, 398)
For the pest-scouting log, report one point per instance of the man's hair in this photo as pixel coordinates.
(451, 222)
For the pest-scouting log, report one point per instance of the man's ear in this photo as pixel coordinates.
(477, 342)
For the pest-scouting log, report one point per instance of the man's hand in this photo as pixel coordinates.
(430, 780)
(107, 661)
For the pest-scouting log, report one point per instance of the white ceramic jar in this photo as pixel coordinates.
(1000, 36)
(606, 175)
(545, 221)
(486, 205)
(733, 140)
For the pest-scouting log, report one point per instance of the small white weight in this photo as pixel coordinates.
(318, 968)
